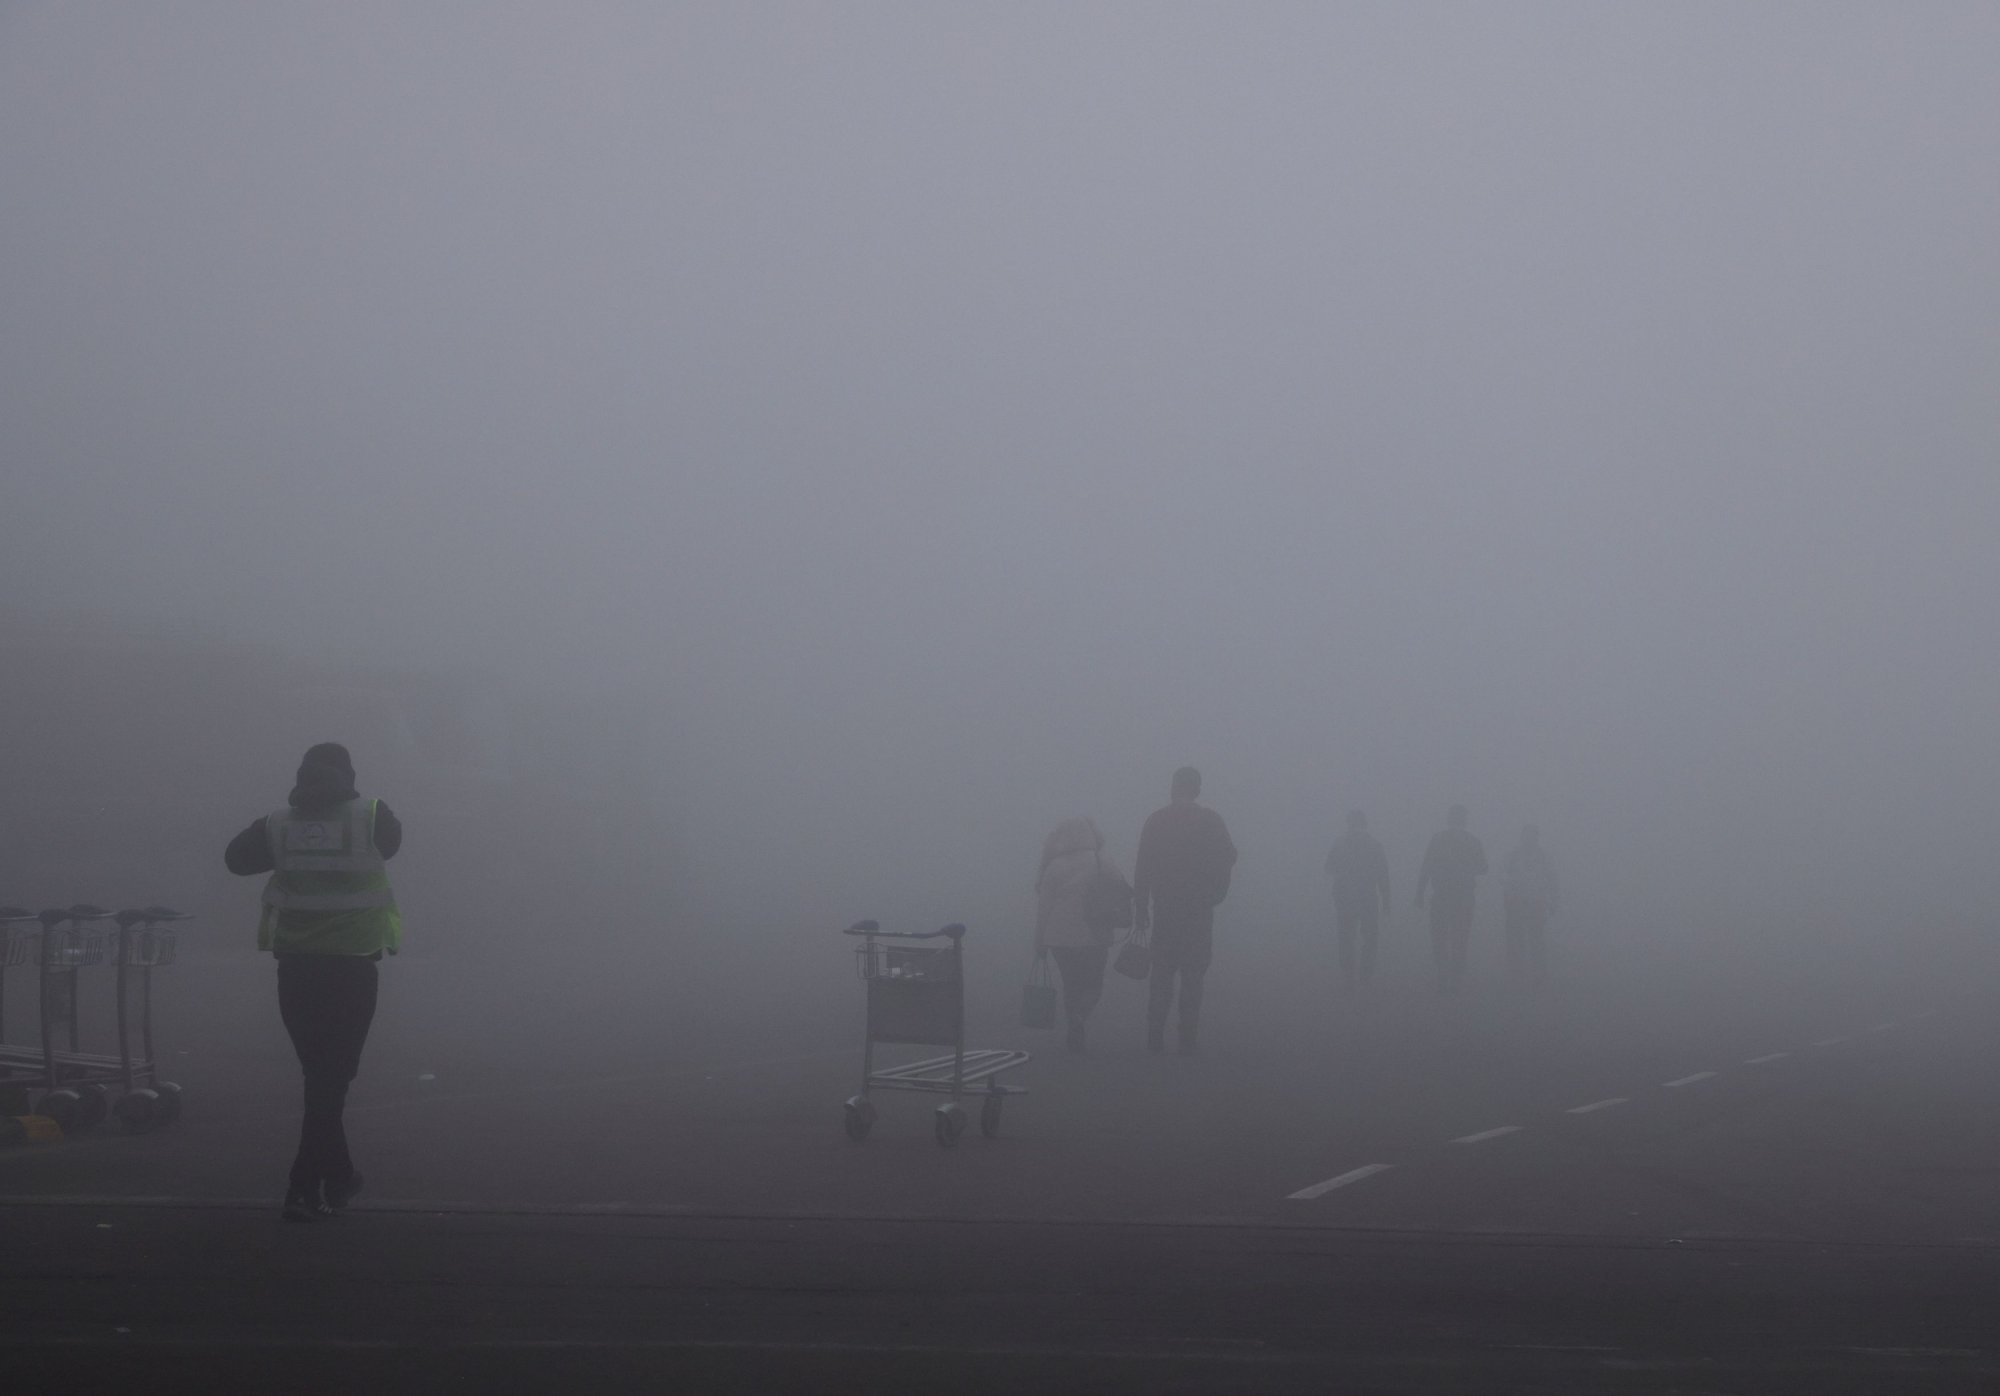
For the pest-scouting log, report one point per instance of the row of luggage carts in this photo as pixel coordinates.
(48, 1075)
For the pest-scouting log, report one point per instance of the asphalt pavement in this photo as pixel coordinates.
(1614, 1183)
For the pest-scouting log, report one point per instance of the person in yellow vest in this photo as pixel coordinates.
(328, 917)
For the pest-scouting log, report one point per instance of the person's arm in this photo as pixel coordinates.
(1045, 901)
(1142, 879)
(388, 831)
(249, 853)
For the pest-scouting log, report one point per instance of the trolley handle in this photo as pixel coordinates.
(80, 913)
(874, 929)
(149, 916)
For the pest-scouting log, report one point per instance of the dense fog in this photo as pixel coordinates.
(728, 470)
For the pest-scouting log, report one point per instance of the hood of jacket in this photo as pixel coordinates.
(1076, 835)
(326, 777)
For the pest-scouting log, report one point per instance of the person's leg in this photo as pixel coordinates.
(1461, 942)
(353, 1005)
(1066, 973)
(302, 1004)
(1514, 930)
(1193, 982)
(1344, 931)
(1159, 998)
(1196, 953)
(1367, 926)
(1538, 948)
(1440, 944)
(1088, 980)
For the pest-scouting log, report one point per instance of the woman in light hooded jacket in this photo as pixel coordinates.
(1072, 858)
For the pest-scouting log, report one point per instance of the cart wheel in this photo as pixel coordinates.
(860, 1118)
(950, 1124)
(64, 1106)
(170, 1097)
(989, 1113)
(141, 1111)
(96, 1106)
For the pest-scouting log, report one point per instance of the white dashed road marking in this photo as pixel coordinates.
(1596, 1105)
(1882, 1027)
(1829, 1041)
(1352, 1175)
(1485, 1134)
(1767, 1057)
(1688, 1080)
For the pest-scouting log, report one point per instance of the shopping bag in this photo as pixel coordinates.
(1038, 996)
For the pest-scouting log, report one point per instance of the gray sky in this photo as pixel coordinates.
(958, 416)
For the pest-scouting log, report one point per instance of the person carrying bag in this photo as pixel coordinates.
(1081, 900)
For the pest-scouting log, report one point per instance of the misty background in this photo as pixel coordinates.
(799, 453)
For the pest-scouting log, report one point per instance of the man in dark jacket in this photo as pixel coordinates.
(328, 915)
(1452, 867)
(1360, 871)
(1182, 875)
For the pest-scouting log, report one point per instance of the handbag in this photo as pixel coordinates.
(1107, 903)
(1038, 996)
(1135, 957)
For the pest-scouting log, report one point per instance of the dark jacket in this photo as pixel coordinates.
(1360, 871)
(1185, 857)
(321, 784)
(1452, 863)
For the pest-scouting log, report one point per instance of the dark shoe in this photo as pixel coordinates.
(301, 1207)
(338, 1198)
(1076, 1034)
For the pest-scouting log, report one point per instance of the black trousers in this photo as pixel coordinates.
(1082, 978)
(1183, 947)
(1357, 927)
(328, 1003)
(1451, 933)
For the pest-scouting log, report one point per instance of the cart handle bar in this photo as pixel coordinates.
(79, 913)
(149, 915)
(874, 928)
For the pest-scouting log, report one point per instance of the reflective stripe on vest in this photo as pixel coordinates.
(326, 860)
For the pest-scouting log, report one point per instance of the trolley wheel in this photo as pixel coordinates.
(96, 1106)
(64, 1106)
(141, 1110)
(989, 1113)
(170, 1096)
(950, 1125)
(859, 1118)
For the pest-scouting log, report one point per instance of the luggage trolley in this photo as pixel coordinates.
(20, 1064)
(76, 1084)
(916, 995)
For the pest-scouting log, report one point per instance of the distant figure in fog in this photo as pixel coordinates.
(1452, 866)
(1528, 883)
(1069, 921)
(1181, 876)
(328, 916)
(1360, 871)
